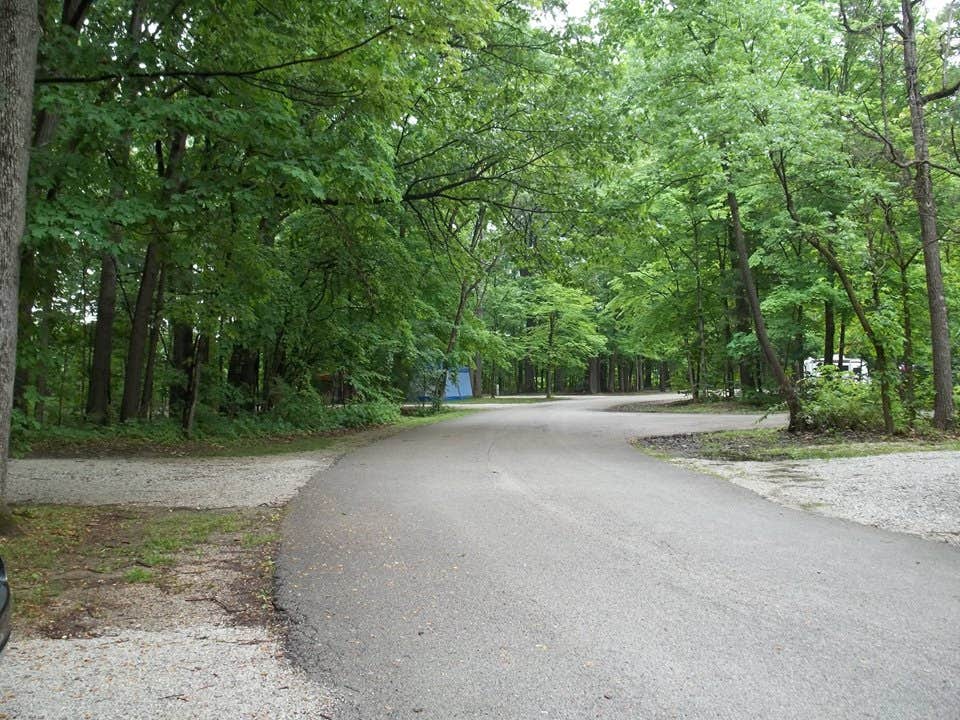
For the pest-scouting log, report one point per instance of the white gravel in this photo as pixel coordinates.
(175, 482)
(198, 672)
(916, 493)
(196, 666)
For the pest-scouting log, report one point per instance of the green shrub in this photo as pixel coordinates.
(297, 413)
(835, 401)
(368, 414)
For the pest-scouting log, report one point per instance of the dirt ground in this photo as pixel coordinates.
(89, 569)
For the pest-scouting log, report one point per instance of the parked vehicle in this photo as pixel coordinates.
(856, 367)
(4, 606)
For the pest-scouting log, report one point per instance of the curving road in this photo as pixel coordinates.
(526, 562)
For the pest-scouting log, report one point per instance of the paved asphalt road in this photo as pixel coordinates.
(526, 563)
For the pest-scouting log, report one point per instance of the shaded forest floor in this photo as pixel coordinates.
(163, 439)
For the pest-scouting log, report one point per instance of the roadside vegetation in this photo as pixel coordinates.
(768, 445)
(339, 428)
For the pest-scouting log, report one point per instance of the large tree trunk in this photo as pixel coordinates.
(18, 56)
(136, 350)
(787, 390)
(593, 382)
(927, 210)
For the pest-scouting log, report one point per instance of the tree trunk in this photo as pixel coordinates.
(43, 343)
(927, 210)
(829, 332)
(908, 394)
(243, 374)
(198, 353)
(842, 342)
(594, 376)
(130, 405)
(146, 398)
(26, 300)
(18, 56)
(136, 350)
(747, 363)
(182, 360)
(476, 377)
(98, 396)
(528, 374)
(550, 370)
(787, 390)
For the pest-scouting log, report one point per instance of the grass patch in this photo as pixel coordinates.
(259, 539)
(767, 445)
(138, 575)
(35, 549)
(55, 549)
(164, 536)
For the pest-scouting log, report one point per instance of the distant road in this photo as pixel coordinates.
(526, 562)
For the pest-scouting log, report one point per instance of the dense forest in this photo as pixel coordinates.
(269, 215)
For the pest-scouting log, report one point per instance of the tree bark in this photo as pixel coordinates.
(829, 332)
(594, 376)
(136, 350)
(146, 397)
(927, 210)
(19, 34)
(98, 396)
(182, 359)
(787, 390)
(189, 415)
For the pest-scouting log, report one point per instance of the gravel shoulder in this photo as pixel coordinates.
(199, 671)
(200, 643)
(169, 482)
(916, 493)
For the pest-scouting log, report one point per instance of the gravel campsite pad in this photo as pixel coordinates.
(916, 493)
(203, 671)
(173, 482)
(190, 641)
